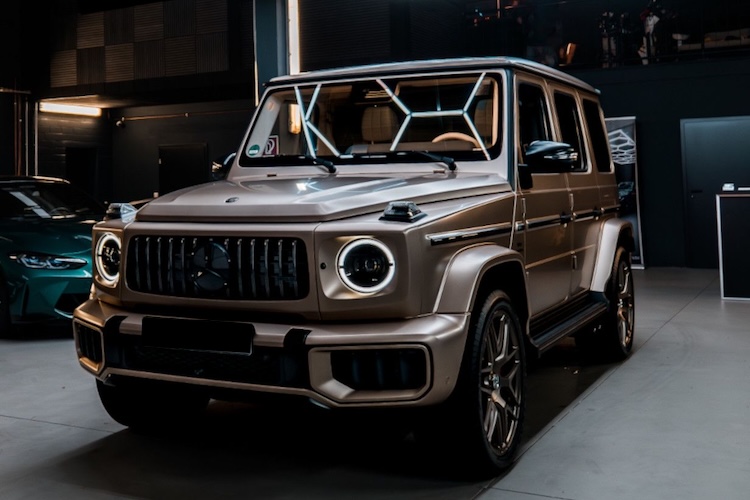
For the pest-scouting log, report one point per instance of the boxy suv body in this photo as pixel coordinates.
(402, 235)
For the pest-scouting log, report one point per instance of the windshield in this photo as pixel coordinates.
(46, 200)
(344, 122)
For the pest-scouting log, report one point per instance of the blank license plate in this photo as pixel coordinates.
(198, 335)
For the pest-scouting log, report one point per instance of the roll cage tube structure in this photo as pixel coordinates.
(308, 127)
(307, 124)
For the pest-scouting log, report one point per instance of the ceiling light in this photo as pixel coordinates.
(68, 109)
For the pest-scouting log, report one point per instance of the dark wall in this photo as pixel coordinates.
(58, 132)
(582, 22)
(155, 52)
(7, 157)
(343, 32)
(127, 156)
(151, 56)
(15, 83)
(135, 165)
(659, 96)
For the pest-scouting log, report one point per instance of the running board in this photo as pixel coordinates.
(544, 335)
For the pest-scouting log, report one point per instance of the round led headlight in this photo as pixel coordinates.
(366, 265)
(107, 258)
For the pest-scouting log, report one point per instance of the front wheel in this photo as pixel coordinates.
(147, 405)
(482, 422)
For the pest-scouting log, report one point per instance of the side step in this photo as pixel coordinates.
(549, 328)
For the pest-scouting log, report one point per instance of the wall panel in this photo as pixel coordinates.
(211, 53)
(179, 18)
(118, 61)
(149, 59)
(90, 32)
(179, 56)
(118, 26)
(148, 22)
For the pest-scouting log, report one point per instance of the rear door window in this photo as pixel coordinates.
(598, 135)
(571, 130)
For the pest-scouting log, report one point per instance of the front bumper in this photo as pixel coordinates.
(50, 297)
(412, 362)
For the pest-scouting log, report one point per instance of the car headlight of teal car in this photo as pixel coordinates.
(35, 260)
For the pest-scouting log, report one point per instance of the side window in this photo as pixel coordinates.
(599, 139)
(570, 126)
(533, 121)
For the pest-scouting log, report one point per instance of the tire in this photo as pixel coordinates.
(619, 325)
(480, 426)
(147, 406)
(614, 341)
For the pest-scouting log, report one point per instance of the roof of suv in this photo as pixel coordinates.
(450, 64)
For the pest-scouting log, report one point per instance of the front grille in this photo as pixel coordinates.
(236, 268)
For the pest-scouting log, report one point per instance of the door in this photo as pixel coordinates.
(713, 153)
(81, 169)
(183, 165)
(581, 125)
(545, 207)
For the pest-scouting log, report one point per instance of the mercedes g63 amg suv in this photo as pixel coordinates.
(402, 235)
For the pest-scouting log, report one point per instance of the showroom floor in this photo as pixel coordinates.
(671, 422)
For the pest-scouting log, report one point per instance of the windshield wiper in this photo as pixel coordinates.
(450, 162)
(328, 164)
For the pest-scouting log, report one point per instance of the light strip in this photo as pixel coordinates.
(68, 109)
(293, 36)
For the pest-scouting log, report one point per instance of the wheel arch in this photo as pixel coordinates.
(615, 233)
(475, 272)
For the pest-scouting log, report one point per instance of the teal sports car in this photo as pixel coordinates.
(45, 249)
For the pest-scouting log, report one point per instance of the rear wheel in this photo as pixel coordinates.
(481, 424)
(147, 405)
(617, 334)
(614, 341)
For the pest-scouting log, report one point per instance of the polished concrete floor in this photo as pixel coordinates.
(671, 422)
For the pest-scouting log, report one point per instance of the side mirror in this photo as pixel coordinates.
(124, 211)
(551, 157)
(221, 165)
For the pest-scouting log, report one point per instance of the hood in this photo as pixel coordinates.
(314, 198)
(52, 236)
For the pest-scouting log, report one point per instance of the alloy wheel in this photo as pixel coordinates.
(501, 381)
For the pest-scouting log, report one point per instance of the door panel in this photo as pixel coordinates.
(544, 207)
(547, 241)
(584, 194)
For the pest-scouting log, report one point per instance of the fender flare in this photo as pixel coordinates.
(614, 232)
(464, 273)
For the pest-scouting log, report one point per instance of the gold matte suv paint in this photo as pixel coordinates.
(400, 236)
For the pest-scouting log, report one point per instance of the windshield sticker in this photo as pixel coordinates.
(253, 150)
(272, 146)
